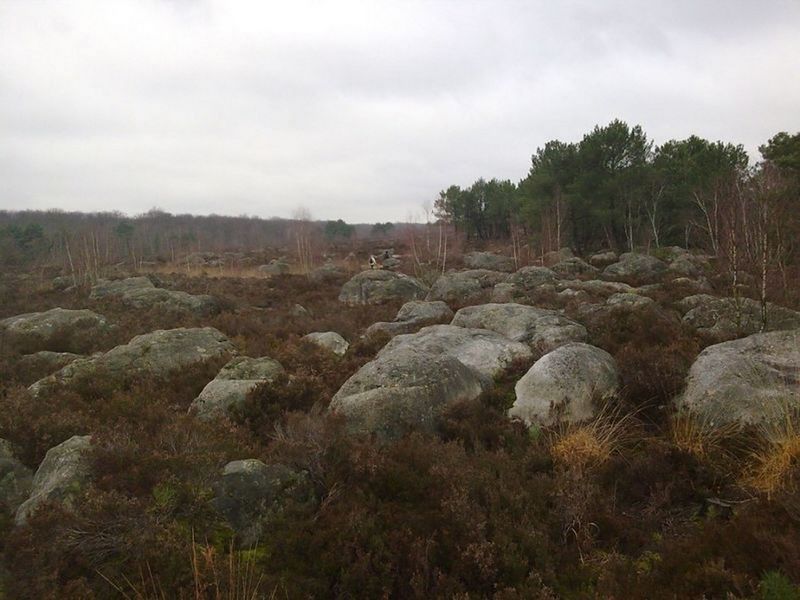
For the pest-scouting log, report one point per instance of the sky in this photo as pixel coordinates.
(361, 110)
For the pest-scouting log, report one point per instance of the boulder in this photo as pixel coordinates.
(573, 266)
(603, 259)
(391, 263)
(252, 495)
(57, 330)
(402, 391)
(629, 301)
(489, 261)
(412, 316)
(139, 292)
(62, 476)
(462, 287)
(40, 364)
(298, 311)
(726, 318)
(379, 286)
(540, 328)
(529, 278)
(488, 353)
(227, 392)
(15, 479)
(327, 272)
(748, 381)
(328, 340)
(556, 256)
(275, 267)
(566, 385)
(595, 287)
(641, 268)
(689, 265)
(154, 355)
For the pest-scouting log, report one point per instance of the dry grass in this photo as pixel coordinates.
(698, 436)
(585, 446)
(774, 460)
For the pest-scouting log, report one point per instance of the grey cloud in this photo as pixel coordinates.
(360, 110)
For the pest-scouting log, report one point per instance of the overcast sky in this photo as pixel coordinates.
(361, 110)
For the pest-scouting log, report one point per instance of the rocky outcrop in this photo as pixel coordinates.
(556, 256)
(227, 392)
(529, 278)
(153, 355)
(379, 287)
(275, 267)
(328, 340)
(571, 267)
(251, 495)
(568, 384)
(33, 367)
(62, 476)
(488, 353)
(402, 391)
(542, 329)
(139, 292)
(15, 479)
(748, 381)
(635, 267)
(56, 330)
(727, 318)
(412, 316)
(327, 272)
(603, 259)
(489, 261)
(463, 287)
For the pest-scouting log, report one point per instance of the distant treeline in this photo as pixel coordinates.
(615, 189)
(56, 236)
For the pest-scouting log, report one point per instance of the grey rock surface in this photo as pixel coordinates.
(251, 495)
(461, 287)
(153, 355)
(412, 316)
(15, 479)
(328, 340)
(748, 381)
(139, 292)
(227, 392)
(568, 384)
(380, 286)
(489, 261)
(62, 476)
(541, 329)
(633, 266)
(57, 330)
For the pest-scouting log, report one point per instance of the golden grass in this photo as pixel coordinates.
(775, 458)
(588, 445)
(698, 436)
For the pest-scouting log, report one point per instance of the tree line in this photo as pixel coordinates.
(616, 189)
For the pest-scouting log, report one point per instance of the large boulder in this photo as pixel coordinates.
(748, 381)
(15, 479)
(727, 318)
(252, 495)
(275, 267)
(529, 278)
(327, 272)
(140, 293)
(57, 330)
(556, 256)
(462, 287)
(603, 259)
(227, 392)
(404, 391)
(486, 352)
(412, 316)
(489, 261)
(32, 367)
(568, 384)
(328, 340)
(540, 328)
(689, 265)
(62, 476)
(632, 266)
(379, 286)
(154, 355)
(570, 267)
